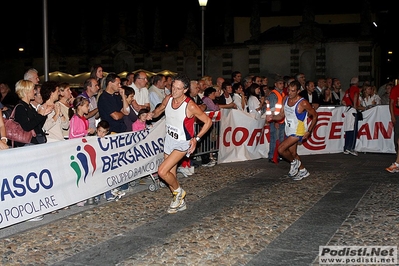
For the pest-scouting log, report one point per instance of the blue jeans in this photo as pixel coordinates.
(108, 194)
(275, 134)
(350, 137)
(124, 187)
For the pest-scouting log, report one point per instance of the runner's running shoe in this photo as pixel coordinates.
(177, 201)
(394, 168)
(295, 164)
(302, 173)
(182, 207)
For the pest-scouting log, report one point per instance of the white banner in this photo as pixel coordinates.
(244, 138)
(376, 131)
(42, 178)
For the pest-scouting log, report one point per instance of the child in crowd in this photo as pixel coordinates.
(102, 128)
(102, 131)
(138, 125)
(79, 125)
(115, 194)
(141, 122)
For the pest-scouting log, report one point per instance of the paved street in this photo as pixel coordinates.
(245, 213)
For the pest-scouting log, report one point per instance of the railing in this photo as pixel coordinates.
(210, 141)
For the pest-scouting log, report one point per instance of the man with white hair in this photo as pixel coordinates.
(32, 75)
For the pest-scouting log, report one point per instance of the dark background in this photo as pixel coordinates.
(87, 27)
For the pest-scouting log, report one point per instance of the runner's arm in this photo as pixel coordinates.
(305, 105)
(159, 110)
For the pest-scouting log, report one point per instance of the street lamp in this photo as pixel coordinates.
(202, 4)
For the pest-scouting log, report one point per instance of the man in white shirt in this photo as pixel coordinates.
(157, 90)
(90, 90)
(140, 90)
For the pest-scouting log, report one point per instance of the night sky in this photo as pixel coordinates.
(23, 27)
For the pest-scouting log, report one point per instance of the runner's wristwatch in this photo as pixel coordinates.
(197, 138)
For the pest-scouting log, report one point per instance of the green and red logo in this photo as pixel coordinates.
(83, 161)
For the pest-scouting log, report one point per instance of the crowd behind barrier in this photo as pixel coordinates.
(242, 137)
(40, 179)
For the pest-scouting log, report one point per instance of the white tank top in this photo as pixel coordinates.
(294, 121)
(178, 126)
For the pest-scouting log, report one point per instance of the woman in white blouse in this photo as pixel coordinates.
(254, 103)
(239, 97)
(370, 97)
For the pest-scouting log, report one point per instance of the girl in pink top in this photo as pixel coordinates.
(79, 125)
(141, 122)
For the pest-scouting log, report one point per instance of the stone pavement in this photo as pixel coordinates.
(242, 213)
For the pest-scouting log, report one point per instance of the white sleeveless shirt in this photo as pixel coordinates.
(178, 126)
(294, 121)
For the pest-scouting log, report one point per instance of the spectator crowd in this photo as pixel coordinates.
(115, 104)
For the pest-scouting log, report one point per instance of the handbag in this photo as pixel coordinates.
(359, 115)
(15, 132)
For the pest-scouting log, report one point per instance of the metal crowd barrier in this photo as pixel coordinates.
(210, 142)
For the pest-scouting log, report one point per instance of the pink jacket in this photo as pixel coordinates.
(78, 127)
(138, 125)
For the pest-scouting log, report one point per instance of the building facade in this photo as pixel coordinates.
(341, 50)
